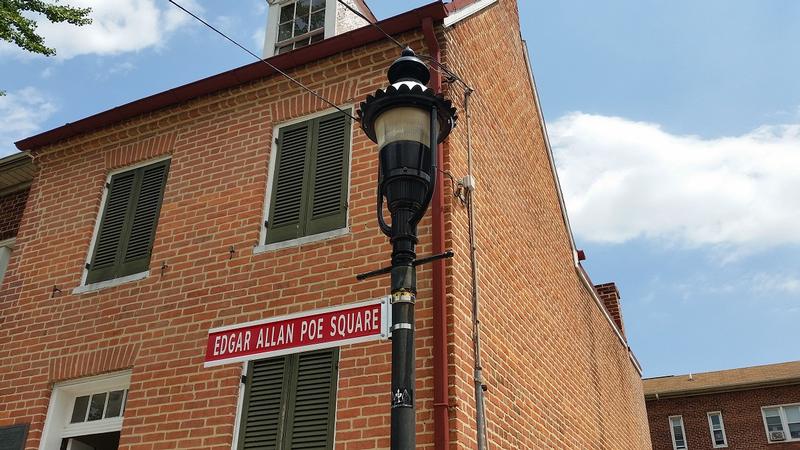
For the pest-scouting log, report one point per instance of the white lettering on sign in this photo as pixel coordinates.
(311, 330)
(357, 322)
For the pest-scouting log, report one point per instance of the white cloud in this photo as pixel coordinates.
(259, 7)
(773, 282)
(118, 69)
(258, 39)
(117, 26)
(23, 112)
(624, 180)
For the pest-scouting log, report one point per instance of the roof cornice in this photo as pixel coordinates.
(721, 389)
(238, 76)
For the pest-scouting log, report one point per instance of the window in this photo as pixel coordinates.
(290, 402)
(98, 406)
(678, 433)
(124, 237)
(300, 23)
(6, 247)
(717, 428)
(308, 194)
(86, 413)
(782, 422)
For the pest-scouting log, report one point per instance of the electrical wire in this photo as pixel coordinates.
(441, 68)
(361, 15)
(272, 66)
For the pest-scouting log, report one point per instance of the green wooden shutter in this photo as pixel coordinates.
(138, 243)
(327, 203)
(288, 193)
(112, 224)
(290, 402)
(127, 228)
(310, 423)
(265, 404)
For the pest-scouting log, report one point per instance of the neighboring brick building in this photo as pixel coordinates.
(16, 173)
(741, 409)
(149, 224)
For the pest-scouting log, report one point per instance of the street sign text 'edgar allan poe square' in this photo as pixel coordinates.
(299, 332)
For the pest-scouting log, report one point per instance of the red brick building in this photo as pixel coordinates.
(16, 173)
(240, 198)
(747, 409)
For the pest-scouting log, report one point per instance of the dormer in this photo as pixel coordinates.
(293, 24)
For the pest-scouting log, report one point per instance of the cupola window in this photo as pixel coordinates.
(301, 23)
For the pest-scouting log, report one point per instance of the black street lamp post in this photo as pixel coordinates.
(407, 120)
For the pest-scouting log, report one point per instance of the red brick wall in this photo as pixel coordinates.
(557, 374)
(11, 208)
(213, 200)
(741, 414)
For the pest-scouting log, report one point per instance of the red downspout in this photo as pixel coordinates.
(441, 419)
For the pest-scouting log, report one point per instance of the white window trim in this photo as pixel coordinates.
(6, 252)
(466, 12)
(672, 433)
(94, 287)
(722, 427)
(262, 246)
(271, 35)
(784, 422)
(239, 408)
(62, 401)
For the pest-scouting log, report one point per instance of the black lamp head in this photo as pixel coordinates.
(408, 76)
(408, 68)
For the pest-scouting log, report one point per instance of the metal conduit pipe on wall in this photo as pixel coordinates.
(441, 412)
(480, 386)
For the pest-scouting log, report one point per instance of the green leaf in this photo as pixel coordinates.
(21, 31)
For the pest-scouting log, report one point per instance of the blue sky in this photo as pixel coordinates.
(675, 124)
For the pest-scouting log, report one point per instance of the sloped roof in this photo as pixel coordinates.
(241, 75)
(722, 381)
(366, 10)
(15, 170)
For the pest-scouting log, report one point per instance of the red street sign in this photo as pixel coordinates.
(300, 332)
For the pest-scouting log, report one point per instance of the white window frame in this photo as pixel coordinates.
(672, 434)
(784, 422)
(6, 251)
(722, 428)
(62, 401)
(273, 16)
(262, 247)
(94, 287)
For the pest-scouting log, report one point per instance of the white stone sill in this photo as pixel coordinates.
(264, 248)
(94, 287)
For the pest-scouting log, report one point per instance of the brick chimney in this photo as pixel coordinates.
(609, 295)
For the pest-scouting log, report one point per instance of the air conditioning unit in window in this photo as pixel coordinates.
(777, 436)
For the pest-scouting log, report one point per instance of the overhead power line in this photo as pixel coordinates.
(378, 27)
(272, 66)
(439, 66)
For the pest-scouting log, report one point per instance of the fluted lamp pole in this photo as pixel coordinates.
(407, 120)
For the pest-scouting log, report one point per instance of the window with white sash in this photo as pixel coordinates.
(782, 422)
(293, 24)
(86, 413)
(717, 428)
(678, 433)
(6, 247)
